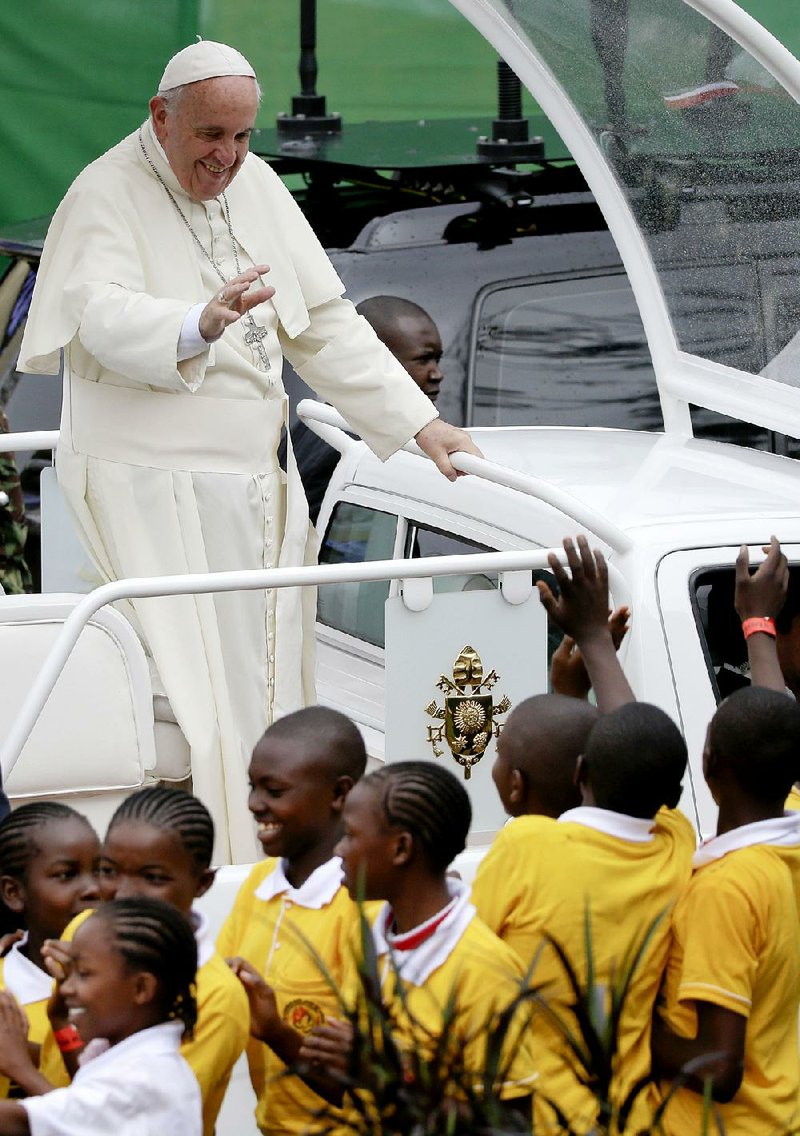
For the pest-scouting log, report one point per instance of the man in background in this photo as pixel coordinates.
(413, 338)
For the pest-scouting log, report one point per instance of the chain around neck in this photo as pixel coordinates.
(185, 219)
(226, 212)
(255, 331)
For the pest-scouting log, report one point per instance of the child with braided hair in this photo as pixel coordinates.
(130, 991)
(48, 855)
(159, 843)
(403, 826)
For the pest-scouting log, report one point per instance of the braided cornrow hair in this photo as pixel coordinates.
(430, 803)
(17, 842)
(155, 937)
(176, 811)
(18, 846)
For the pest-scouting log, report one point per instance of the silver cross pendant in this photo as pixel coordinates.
(253, 338)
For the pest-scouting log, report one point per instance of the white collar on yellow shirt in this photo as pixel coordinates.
(780, 832)
(23, 978)
(417, 965)
(635, 829)
(202, 936)
(317, 891)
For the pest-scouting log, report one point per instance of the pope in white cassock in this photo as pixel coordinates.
(173, 402)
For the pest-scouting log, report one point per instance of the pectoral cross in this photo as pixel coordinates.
(253, 337)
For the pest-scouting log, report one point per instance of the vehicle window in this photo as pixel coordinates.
(356, 534)
(432, 542)
(720, 628)
(565, 352)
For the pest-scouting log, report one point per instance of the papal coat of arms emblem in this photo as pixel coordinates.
(470, 718)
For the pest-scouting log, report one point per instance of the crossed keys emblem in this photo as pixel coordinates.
(469, 717)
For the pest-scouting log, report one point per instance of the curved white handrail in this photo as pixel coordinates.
(202, 583)
(597, 523)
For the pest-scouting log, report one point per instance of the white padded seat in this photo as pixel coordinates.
(97, 739)
(173, 757)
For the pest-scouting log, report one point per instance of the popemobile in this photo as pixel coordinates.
(683, 118)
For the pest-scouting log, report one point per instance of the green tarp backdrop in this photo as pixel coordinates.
(75, 75)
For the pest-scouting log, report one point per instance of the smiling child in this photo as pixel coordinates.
(159, 844)
(130, 993)
(48, 855)
(301, 772)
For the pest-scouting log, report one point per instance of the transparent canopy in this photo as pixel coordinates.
(692, 147)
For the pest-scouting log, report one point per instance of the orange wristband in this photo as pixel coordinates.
(68, 1039)
(758, 623)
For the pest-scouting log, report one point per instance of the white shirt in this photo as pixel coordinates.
(139, 1087)
(23, 978)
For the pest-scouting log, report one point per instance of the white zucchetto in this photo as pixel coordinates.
(203, 60)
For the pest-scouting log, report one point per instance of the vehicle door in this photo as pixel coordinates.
(367, 525)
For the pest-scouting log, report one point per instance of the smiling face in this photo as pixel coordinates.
(102, 991)
(60, 881)
(415, 342)
(294, 798)
(205, 133)
(139, 858)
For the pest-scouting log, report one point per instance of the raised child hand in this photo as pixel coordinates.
(568, 673)
(581, 609)
(14, 1056)
(264, 1017)
(57, 958)
(764, 592)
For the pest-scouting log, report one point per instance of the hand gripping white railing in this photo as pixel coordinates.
(203, 583)
(597, 523)
(312, 412)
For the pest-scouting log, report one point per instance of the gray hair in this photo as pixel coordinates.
(172, 98)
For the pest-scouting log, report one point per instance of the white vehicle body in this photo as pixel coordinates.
(685, 506)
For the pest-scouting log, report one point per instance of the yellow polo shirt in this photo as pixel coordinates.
(736, 943)
(465, 965)
(541, 877)
(223, 1026)
(278, 929)
(32, 988)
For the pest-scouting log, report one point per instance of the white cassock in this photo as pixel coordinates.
(171, 467)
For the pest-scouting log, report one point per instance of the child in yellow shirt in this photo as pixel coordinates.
(48, 855)
(159, 844)
(618, 860)
(733, 976)
(534, 771)
(293, 912)
(403, 826)
(766, 603)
